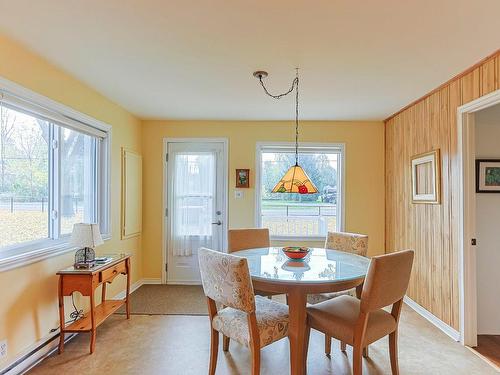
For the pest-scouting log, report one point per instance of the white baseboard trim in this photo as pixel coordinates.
(454, 334)
(34, 354)
(183, 282)
(136, 286)
(37, 352)
(133, 288)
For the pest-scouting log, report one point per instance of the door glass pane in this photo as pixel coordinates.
(78, 171)
(193, 197)
(24, 178)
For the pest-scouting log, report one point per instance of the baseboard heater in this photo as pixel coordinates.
(29, 360)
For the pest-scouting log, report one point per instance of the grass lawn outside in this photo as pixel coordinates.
(23, 226)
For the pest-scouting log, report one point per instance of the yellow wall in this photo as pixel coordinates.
(28, 295)
(364, 173)
(28, 308)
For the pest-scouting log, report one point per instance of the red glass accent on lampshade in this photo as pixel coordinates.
(295, 180)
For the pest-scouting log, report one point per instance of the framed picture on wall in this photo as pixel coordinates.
(426, 178)
(243, 178)
(488, 176)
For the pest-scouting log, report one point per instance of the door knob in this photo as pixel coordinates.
(218, 222)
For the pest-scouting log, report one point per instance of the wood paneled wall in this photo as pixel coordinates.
(432, 230)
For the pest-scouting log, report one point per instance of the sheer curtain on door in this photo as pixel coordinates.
(193, 197)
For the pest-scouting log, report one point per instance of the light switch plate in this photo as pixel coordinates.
(238, 194)
(3, 349)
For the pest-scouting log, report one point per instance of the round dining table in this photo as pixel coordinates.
(321, 271)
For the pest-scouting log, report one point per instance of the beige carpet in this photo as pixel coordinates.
(167, 300)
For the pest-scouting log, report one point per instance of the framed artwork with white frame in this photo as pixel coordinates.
(426, 177)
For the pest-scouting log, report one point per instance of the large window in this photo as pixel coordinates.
(300, 216)
(51, 170)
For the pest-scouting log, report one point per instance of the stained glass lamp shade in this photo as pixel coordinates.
(295, 180)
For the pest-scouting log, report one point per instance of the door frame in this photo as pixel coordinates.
(467, 214)
(225, 194)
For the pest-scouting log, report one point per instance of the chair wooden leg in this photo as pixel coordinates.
(225, 343)
(328, 344)
(357, 360)
(365, 352)
(214, 349)
(255, 360)
(343, 346)
(393, 352)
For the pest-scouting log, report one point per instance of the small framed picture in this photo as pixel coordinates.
(243, 178)
(426, 178)
(488, 176)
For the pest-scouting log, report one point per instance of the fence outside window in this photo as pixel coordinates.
(298, 219)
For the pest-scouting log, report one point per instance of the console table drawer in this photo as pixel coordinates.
(111, 272)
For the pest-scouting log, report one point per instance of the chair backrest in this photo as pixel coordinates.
(387, 280)
(349, 242)
(226, 279)
(241, 239)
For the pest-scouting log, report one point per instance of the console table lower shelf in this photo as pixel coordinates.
(86, 282)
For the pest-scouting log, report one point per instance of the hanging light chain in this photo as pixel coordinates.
(279, 96)
(295, 85)
(297, 118)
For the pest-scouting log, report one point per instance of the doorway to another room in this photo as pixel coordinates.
(480, 137)
(487, 147)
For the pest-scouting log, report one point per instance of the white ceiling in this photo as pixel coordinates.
(192, 59)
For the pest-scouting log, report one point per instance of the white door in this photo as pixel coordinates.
(196, 209)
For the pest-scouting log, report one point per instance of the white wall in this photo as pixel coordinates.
(488, 228)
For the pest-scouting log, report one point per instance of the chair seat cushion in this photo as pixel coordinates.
(337, 318)
(322, 297)
(272, 322)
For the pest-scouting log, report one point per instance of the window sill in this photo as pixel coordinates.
(23, 257)
(298, 239)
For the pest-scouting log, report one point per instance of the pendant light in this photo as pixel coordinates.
(295, 179)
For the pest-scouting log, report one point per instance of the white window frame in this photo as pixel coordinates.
(310, 146)
(28, 252)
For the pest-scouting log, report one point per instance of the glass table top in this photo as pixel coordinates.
(318, 266)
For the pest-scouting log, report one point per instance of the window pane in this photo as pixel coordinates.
(301, 215)
(24, 178)
(77, 175)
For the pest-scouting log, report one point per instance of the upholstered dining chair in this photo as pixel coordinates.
(251, 320)
(359, 322)
(242, 239)
(351, 243)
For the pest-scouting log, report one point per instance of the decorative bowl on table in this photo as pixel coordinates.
(296, 252)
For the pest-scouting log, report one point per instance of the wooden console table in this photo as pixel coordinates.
(86, 282)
